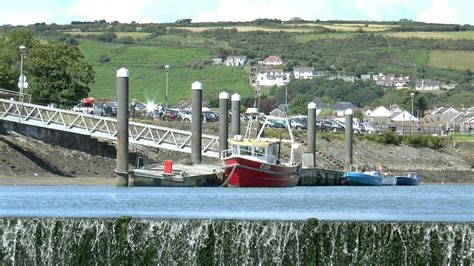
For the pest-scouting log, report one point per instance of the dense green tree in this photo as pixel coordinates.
(298, 105)
(10, 56)
(58, 73)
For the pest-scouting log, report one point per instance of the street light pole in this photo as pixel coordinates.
(412, 96)
(22, 78)
(167, 69)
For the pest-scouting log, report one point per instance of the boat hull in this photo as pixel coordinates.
(389, 181)
(244, 172)
(407, 181)
(361, 179)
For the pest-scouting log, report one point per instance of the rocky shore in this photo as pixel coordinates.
(27, 161)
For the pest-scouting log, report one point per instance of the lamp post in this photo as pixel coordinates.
(22, 78)
(167, 69)
(412, 97)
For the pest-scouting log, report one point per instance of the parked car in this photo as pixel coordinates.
(210, 116)
(277, 123)
(298, 122)
(89, 108)
(328, 125)
(367, 128)
(110, 108)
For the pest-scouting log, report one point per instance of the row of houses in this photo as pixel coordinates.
(271, 73)
(442, 116)
(451, 117)
(240, 60)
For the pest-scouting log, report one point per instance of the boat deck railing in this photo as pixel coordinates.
(249, 153)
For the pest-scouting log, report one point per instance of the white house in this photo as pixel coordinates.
(451, 110)
(427, 85)
(271, 77)
(381, 111)
(380, 115)
(391, 81)
(303, 72)
(368, 112)
(272, 60)
(235, 60)
(345, 78)
(404, 116)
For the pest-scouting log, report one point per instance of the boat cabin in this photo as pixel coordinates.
(264, 151)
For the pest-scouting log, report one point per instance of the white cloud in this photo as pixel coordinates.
(24, 17)
(110, 10)
(246, 10)
(439, 12)
(379, 9)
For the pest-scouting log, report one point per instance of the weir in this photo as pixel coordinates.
(33, 241)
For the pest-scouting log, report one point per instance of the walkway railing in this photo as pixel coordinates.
(104, 127)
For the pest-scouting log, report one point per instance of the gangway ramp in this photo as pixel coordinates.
(104, 127)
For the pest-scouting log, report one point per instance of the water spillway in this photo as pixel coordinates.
(65, 241)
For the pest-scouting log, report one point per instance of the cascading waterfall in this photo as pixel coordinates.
(31, 241)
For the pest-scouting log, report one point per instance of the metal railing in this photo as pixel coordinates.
(104, 127)
(8, 94)
(249, 153)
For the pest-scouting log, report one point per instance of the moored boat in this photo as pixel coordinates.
(367, 178)
(254, 162)
(408, 179)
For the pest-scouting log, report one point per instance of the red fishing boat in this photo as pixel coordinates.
(255, 162)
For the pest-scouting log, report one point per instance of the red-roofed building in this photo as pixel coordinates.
(272, 60)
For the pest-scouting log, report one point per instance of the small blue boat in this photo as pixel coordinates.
(408, 179)
(370, 178)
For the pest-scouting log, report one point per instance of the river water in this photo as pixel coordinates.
(450, 203)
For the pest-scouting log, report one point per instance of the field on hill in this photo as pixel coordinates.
(147, 75)
(315, 36)
(356, 27)
(134, 35)
(439, 35)
(461, 60)
(304, 27)
(251, 28)
(447, 35)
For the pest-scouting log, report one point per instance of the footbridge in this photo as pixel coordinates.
(104, 127)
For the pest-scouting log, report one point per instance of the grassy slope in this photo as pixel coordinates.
(147, 82)
(461, 60)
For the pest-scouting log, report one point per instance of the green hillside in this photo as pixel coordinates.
(440, 52)
(147, 75)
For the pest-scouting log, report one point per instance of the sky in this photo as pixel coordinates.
(24, 12)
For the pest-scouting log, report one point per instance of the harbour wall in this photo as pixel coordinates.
(67, 140)
(61, 138)
(127, 241)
